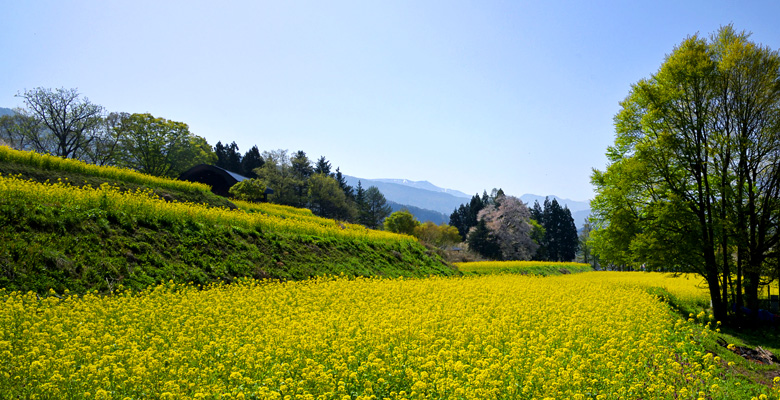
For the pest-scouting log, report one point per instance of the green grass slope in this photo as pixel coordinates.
(82, 246)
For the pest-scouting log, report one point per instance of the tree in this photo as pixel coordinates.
(277, 174)
(69, 120)
(482, 241)
(440, 236)
(348, 190)
(694, 174)
(322, 166)
(228, 157)
(586, 254)
(375, 208)
(248, 189)
(401, 222)
(161, 147)
(23, 132)
(465, 217)
(251, 161)
(509, 222)
(105, 147)
(559, 242)
(326, 199)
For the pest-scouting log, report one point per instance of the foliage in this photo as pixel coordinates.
(559, 240)
(465, 217)
(441, 236)
(482, 241)
(64, 122)
(373, 208)
(509, 221)
(250, 161)
(471, 338)
(248, 189)
(326, 199)
(401, 222)
(161, 147)
(60, 236)
(692, 183)
(228, 157)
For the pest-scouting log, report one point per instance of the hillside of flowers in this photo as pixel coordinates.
(57, 235)
(486, 337)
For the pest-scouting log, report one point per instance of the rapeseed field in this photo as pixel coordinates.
(488, 337)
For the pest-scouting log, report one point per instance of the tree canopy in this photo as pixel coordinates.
(694, 174)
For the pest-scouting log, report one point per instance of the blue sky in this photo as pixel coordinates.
(469, 95)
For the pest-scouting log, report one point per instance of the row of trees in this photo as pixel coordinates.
(62, 123)
(298, 182)
(503, 228)
(693, 181)
(441, 236)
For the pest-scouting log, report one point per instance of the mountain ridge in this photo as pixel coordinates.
(428, 198)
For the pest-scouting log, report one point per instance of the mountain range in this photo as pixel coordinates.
(6, 111)
(428, 202)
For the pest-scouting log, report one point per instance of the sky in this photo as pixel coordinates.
(469, 95)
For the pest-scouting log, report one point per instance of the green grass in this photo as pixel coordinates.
(543, 268)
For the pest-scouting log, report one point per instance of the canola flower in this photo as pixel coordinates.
(145, 204)
(489, 267)
(48, 162)
(487, 337)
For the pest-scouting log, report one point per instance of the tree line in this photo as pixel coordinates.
(63, 123)
(502, 227)
(693, 181)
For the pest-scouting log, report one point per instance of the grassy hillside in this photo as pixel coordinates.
(117, 227)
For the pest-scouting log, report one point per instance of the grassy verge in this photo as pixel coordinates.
(544, 268)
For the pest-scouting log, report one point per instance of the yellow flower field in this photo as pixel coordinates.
(145, 204)
(489, 337)
(489, 267)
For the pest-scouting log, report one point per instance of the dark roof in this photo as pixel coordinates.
(218, 178)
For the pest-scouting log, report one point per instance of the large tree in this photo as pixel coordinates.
(374, 208)
(559, 241)
(69, 120)
(509, 221)
(694, 175)
(161, 147)
(326, 199)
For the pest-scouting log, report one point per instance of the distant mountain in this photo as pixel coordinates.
(6, 111)
(572, 204)
(424, 185)
(421, 214)
(431, 198)
(436, 200)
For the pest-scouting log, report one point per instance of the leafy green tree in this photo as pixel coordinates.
(106, 146)
(161, 147)
(326, 199)
(277, 174)
(401, 222)
(69, 121)
(23, 132)
(248, 189)
(440, 236)
(692, 183)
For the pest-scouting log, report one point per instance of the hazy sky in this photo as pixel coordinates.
(469, 95)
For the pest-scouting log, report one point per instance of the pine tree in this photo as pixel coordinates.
(251, 160)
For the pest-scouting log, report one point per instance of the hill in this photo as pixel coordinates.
(413, 195)
(71, 225)
(6, 111)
